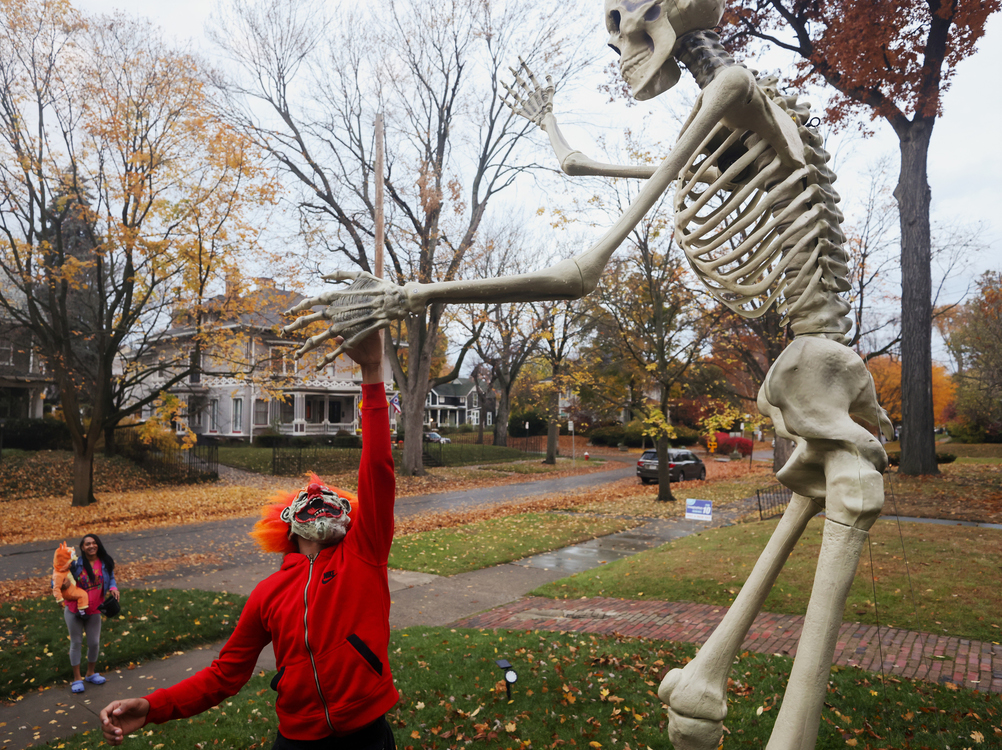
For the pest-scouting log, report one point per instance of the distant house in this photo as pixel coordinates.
(457, 403)
(222, 403)
(22, 374)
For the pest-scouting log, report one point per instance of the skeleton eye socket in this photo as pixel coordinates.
(613, 22)
(653, 13)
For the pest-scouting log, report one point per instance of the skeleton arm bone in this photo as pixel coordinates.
(577, 164)
(371, 303)
(574, 278)
(529, 98)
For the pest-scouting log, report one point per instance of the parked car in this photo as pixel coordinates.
(682, 466)
(434, 437)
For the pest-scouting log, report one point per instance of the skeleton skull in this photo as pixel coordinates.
(644, 32)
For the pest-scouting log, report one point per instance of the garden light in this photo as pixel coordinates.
(510, 675)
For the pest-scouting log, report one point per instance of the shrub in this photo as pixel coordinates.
(685, 435)
(633, 434)
(269, 438)
(37, 434)
(345, 439)
(611, 435)
(726, 445)
(894, 459)
(537, 423)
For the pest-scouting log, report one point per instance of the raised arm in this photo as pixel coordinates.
(371, 303)
(528, 98)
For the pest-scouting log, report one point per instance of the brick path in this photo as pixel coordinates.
(972, 664)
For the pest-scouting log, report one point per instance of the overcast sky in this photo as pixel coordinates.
(965, 162)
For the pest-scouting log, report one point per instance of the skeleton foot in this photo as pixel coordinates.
(696, 710)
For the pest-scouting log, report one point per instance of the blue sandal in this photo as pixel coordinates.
(77, 686)
(95, 679)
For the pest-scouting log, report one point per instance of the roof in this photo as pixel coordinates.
(261, 308)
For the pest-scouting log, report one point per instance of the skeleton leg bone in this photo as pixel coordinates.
(809, 393)
(697, 694)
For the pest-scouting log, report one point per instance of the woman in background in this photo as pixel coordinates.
(94, 571)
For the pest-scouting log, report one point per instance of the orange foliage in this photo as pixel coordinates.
(886, 372)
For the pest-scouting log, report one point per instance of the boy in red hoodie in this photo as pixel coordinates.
(326, 610)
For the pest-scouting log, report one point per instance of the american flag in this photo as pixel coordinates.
(395, 403)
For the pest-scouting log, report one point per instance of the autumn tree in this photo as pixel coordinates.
(309, 95)
(886, 372)
(110, 159)
(976, 340)
(504, 336)
(650, 316)
(562, 327)
(891, 60)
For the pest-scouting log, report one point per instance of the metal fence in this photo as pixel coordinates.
(772, 501)
(291, 461)
(463, 449)
(200, 463)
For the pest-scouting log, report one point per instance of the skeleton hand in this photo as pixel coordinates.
(367, 305)
(529, 98)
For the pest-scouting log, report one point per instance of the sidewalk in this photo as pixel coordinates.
(975, 665)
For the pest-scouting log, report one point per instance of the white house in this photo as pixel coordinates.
(275, 393)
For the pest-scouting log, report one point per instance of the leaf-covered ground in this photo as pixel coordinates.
(582, 692)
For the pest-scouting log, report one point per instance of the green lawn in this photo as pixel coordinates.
(954, 592)
(641, 502)
(580, 691)
(34, 641)
(485, 543)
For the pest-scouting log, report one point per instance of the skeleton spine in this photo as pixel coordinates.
(822, 311)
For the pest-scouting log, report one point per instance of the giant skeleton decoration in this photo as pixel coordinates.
(755, 214)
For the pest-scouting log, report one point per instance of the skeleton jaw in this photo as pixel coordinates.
(644, 33)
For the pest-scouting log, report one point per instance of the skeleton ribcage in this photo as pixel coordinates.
(758, 233)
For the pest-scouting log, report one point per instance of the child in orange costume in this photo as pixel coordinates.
(64, 586)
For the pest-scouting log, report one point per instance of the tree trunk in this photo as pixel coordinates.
(553, 428)
(664, 473)
(552, 441)
(413, 457)
(83, 473)
(110, 448)
(781, 453)
(918, 444)
(501, 426)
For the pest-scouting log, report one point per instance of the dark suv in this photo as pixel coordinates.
(682, 465)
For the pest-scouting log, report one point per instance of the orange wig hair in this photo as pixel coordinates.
(271, 533)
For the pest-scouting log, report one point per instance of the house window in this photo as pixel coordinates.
(334, 412)
(490, 419)
(288, 411)
(238, 415)
(260, 412)
(474, 417)
(195, 374)
(474, 400)
(6, 352)
(282, 361)
(213, 414)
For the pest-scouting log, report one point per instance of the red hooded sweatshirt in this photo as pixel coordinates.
(328, 618)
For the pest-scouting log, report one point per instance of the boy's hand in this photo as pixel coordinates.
(119, 718)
